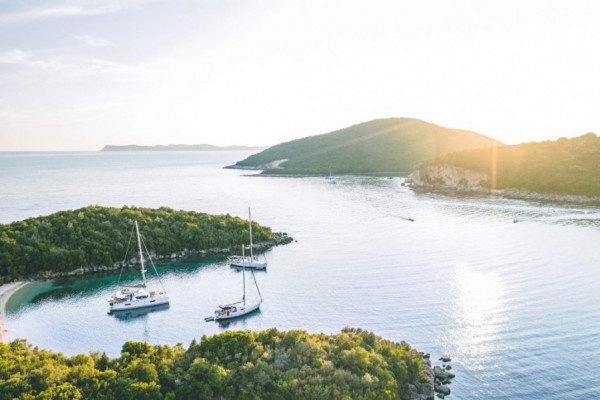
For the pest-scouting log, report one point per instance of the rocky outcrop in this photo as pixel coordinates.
(423, 389)
(450, 179)
(449, 176)
(442, 378)
(276, 164)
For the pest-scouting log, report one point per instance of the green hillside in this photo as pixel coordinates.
(96, 235)
(563, 166)
(394, 145)
(353, 364)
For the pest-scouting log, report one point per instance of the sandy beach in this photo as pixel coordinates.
(5, 292)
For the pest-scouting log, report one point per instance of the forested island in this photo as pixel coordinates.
(382, 146)
(99, 236)
(179, 147)
(560, 167)
(442, 158)
(353, 364)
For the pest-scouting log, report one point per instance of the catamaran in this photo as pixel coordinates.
(251, 262)
(239, 308)
(138, 296)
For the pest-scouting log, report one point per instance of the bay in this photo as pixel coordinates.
(516, 305)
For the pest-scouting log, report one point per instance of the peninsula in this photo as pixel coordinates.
(563, 169)
(95, 238)
(381, 146)
(179, 147)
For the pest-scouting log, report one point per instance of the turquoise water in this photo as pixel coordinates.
(516, 305)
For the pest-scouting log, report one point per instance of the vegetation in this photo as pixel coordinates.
(95, 235)
(393, 145)
(564, 166)
(354, 364)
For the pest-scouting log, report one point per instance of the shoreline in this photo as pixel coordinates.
(509, 193)
(279, 239)
(6, 291)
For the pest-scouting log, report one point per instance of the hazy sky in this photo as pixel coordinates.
(76, 75)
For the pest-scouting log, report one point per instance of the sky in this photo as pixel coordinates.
(78, 75)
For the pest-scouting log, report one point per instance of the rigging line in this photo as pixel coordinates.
(256, 285)
(153, 266)
(126, 252)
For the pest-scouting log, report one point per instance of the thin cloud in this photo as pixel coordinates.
(34, 69)
(72, 9)
(92, 41)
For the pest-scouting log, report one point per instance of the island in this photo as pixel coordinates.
(393, 146)
(180, 147)
(95, 238)
(559, 170)
(270, 364)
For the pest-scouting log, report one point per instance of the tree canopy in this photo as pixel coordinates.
(353, 364)
(393, 145)
(96, 235)
(563, 166)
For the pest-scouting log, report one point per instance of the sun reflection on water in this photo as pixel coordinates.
(479, 313)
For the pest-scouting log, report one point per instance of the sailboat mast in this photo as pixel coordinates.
(250, 223)
(244, 274)
(137, 231)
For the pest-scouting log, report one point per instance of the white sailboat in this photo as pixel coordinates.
(330, 179)
(138, 296)
(239, 308)
(251, 262)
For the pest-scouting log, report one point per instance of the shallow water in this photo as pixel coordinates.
(516, 305)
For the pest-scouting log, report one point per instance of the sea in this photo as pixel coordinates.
(509, 289)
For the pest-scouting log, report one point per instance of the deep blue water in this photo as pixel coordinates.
(516, 305)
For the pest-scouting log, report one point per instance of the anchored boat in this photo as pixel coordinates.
(239, 308)
(138, 296)
(251, 262)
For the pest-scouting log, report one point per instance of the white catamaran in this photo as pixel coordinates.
(251, 262)
(138, 296)
(237, 309)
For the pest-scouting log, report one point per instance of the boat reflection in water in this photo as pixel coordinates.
(138, 312)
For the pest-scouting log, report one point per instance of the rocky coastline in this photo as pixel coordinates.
(435, 382)
(279, 238)
(448, 179)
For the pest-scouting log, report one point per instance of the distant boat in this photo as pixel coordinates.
(239, 308)
(251, 262)
(138, 296)
(330, 178)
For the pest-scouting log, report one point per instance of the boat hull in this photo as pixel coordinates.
(137, 304)
(241, 311)
(252, 265)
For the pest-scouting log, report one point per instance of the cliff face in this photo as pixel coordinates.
(449, 176)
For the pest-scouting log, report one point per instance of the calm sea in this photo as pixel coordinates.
(516, 305)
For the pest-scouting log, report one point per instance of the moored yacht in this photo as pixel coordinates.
(251, 262)
(138, 296)
(239, 308)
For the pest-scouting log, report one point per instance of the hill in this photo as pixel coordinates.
(98, 236)
(178, 147)
(382, 146)
(562, 167)
(353, 364)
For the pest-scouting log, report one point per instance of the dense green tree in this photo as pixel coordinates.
(95, 235)
(563, 166)
(354, 364)
(381, 146)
